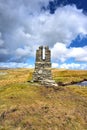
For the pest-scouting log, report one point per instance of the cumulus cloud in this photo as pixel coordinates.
(73, 66)
(80, 53)
(24, 25)
(70, 65)
(61, 53)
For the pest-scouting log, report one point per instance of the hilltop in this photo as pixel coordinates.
(30, 106)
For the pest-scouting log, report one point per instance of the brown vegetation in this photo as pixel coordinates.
(30, 106)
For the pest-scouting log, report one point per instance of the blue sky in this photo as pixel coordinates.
(27, 24)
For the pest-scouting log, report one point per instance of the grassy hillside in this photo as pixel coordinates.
(30, 106)
(67, 76)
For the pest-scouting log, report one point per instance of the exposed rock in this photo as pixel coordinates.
(49, 83)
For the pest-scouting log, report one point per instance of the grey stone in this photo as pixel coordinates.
(49, 83)
(42, 72)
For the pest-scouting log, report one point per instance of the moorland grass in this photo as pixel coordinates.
(30, 106)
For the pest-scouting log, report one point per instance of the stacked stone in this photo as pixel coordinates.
(47, 54)
(39, 54)
(42, 71)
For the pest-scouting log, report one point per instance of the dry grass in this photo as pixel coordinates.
(29, 106)
(15, 76)
(67, 76)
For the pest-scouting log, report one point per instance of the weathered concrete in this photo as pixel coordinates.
(42, 71)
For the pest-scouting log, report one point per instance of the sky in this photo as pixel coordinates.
(27, 24)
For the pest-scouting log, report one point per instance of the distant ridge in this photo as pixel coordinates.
(4, 68)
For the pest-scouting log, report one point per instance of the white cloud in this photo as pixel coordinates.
(73, 66)
(61, 53)
(55, 65)
(80, 54)
(24, 51)
(16, 65)
(70, 66)
(62, 26)
(47, 29)
(24, 27)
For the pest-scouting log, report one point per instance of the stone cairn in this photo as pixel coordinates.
(42, 72)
